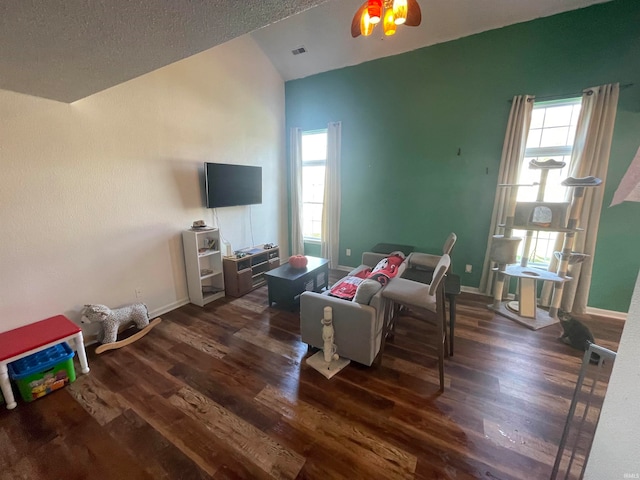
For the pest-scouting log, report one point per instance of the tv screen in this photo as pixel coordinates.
(230, 185)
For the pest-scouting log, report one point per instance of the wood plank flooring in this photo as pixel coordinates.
(224, 392)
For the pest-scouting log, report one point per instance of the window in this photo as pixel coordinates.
(314, 159)
(551, 135)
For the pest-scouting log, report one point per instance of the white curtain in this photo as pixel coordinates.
(513, 148)
(330, 246)
(590, 157)
(295, 176)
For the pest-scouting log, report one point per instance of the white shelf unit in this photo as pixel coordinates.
(203, 261)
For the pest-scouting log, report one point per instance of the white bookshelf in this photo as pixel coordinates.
(203, 262)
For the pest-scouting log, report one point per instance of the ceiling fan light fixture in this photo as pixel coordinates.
(374, 9)
(390, 13)
(400, 11)
(366, 27)
(389, 22)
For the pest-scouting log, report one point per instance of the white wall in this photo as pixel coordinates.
(94, 195)
(616, 444)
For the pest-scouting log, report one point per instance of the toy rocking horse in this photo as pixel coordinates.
(113, 320)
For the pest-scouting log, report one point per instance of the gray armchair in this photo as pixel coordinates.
(357, 327)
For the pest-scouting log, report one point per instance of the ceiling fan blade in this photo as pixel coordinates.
(355, 23)
(414, 15)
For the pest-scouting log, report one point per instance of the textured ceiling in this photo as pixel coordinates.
(66, 50)
(69, 49)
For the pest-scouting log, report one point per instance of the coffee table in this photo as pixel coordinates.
(286, 284)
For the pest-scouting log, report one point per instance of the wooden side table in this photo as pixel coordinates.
(21, 342)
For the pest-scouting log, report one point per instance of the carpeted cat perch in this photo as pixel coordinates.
(327, 361)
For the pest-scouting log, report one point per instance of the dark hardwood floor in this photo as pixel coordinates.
(224, 392)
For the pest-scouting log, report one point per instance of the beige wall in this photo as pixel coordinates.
(94, 195)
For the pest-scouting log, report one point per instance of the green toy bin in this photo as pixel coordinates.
(43, 372)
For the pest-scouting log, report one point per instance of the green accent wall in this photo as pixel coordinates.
(312, 249)
(422, 134)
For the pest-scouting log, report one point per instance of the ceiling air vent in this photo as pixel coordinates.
(299, 50)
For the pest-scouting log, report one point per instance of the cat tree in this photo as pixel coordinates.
(533, 217)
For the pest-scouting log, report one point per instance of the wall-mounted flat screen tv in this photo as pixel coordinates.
(231, 185)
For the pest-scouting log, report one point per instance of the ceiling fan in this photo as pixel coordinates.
(388, 12)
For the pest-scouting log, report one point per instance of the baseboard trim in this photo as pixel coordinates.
(607, 313)
(466, 289)
(93, 339)
(345, 268)
(590, 310)
(474, 290)
(167, 308)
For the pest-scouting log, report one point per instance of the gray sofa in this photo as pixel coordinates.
(357, 327)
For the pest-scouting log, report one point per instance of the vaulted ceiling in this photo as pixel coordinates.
(68, 50)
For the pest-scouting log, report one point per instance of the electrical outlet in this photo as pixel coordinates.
(467, 268)
(348, 252)
(138, 293)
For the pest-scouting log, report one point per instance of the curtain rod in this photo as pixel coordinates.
(570, 95)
